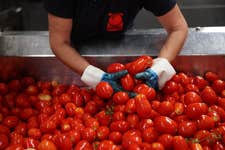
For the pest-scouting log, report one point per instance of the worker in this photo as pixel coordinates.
(71, 21)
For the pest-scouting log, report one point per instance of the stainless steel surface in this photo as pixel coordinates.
(201, 41)
(28, 53)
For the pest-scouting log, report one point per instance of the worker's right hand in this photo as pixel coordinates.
(93, 75)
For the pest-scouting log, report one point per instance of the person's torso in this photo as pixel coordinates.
(103, 18)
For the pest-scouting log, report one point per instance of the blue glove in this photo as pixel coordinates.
(156, 76)
(150, 78)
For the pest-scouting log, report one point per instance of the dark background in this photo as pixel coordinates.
(30, 14)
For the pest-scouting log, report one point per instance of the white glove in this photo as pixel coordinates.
(160, 72)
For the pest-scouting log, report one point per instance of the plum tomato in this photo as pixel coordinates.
(3, 141)
(192, 97)
(187, 128)
(120, 98)
(149, 92)
(127, 82)
(209, 96)
(143, 106)
(179, 143)
(166, 140)
(211, 76)
(195, 110)
(165, 125)
(115, 67)
(104, 90)
(46, 145)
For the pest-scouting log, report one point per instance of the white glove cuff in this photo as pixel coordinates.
(164, 70)
(92, 76)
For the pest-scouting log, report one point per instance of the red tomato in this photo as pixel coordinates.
(205, 123)
(127, 82)
(192, 97)
(200, 82)
(157, 146)
(166, 140)
(144, 89)
(34, 133)
(22, 101)
(165, 108)
(83, 145)
(116, 137)
(187, 128)
(191, 87)
(218, 146)
(74, 136)
(32, 90)
(219, 110)
(14, 85)
(205, 137)
(184, 79)
(77, 99)
(3, 141)
(170, 87)
(130, 106)
(134, 147)
(178, 108)
(130, 137)
(195, 110)
(88, 134)
(165, 125)
(218, 86)
(179, 143)
(145, 123)
(104, 118)
(146, 146)
(133, 120)
(139, 65)
(211, 76)
(30, 143)
(209, 96)
(46, 145)
(91, 107)
(196, 146)
(102, 132)
(16, 147)
(120, 98)
(107, 145)
(120, 126)
(4, 130)
(118, 116)
(92, 123)
(149, 135)
(104, 90)
(3, 88)
(70, 109)
(16, 138)
(115, 67)
(143, 106)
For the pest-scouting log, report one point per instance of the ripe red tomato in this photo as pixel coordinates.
(91, 107)
(187, 128)
(219, 110)
(144, 89)
(211, 76)
(115, 67)
(149, 135)
(102, 132)
(139, 65)
(218, 86)
(179, 143)
(118, 116)
(196, 146)
(4, 130)
(34, 133)
(104, 118)
(83, 145)
(3, 88)
(178, 108)
(145, 123)
(15, 147)
(107, 145)
(74, 136)
(195, 110)
(120, 126)
(209, 96)
(16, 138)
(88, 134)
(166, 140)
(30, 143)
(192, 97)
(130, 106)
(120, 98)
(104, 90)
(3, 141)
(157, 146)
(165, 108)
(70, 109)
(205, 123)
(131, 137)
(127, 82)
(170, 87)
(165, 125)
(143, 106)
(46, 145)
(133, 120)
(10, 121)
(115, 137)
(200, 82)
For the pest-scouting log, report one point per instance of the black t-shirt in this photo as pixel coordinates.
(105, 18)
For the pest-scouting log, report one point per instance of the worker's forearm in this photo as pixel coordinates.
(70, 57)
(173, 44)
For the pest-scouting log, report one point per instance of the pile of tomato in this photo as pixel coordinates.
(187, 114)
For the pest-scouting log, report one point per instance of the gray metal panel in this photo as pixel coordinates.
(201, 41)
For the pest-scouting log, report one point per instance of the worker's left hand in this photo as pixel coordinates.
(93, 75)
(156, 76)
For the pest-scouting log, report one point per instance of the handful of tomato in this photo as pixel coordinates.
(187, 114)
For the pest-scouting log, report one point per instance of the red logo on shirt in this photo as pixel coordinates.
(115, 22)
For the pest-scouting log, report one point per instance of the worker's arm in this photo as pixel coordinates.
(59, 34)
(177, 30)
(161, 70)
